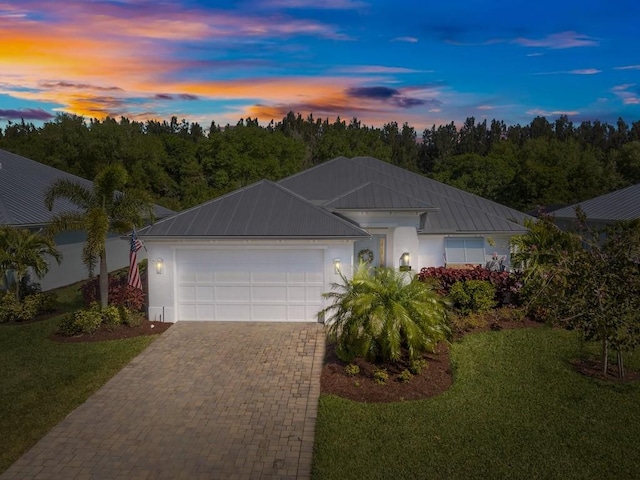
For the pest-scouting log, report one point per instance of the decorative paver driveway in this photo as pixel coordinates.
(206, 400)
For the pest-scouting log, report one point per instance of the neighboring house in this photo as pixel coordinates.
(268, 251)
(23, 183)
(603, 210)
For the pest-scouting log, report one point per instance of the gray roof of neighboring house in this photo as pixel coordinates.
(262, 210)
(457, 211)
(373, 196)
(619, 205)
(22, 186)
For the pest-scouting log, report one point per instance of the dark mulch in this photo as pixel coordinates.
(115, 333)
(432, 381)
(593, 368)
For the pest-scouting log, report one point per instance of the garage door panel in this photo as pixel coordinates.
(204, 275)
(205, 294)
(187, 293)
(250, 285)
(232, 312)
(235, 293)
(297, 294)
(269, 313)
(269, 294)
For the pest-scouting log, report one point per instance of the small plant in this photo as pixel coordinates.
(417, 366)
(352, 370)
(380, 376)
(405, 376)
(111, 316)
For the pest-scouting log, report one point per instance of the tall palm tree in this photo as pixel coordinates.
(380, 312)
(21, 250)
(106, 208)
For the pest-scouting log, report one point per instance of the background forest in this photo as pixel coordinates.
(181, 164)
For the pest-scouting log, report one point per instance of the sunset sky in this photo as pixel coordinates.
(421, 62)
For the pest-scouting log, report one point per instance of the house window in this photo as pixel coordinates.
(464, 250)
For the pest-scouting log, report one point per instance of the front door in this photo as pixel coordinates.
(371, 251)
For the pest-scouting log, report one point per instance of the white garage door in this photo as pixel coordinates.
(250, 285)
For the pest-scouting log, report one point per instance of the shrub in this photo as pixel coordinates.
(120, 292)
(473, 296)
(380, 376)
(508, 285)
(111, 316)
(12, 310)
(352, 370)
(417, 366)
(80, 322)
(405, 376)
(131, 318)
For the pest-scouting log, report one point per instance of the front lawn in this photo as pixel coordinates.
(517, 409)
(42, 381)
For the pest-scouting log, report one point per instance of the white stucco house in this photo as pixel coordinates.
(23, 183)
(267, 252)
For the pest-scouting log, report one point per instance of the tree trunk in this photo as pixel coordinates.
(620, 366)
(605, 355)
(104, 280)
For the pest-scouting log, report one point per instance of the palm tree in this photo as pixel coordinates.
(376, 314)
(106, 208)
(21, 250)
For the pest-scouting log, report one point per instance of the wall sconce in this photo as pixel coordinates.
(405, 262)
(159, 266)
(337, 265)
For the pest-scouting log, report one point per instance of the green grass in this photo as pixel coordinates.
(43, 381)
(516, 410)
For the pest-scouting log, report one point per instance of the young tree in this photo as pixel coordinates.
(376, 314)
(105, 208)
(22, 250)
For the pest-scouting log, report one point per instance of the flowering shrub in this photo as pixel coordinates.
(508, 285)
(120, 292)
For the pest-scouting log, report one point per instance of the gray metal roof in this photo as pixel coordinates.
(619, 205)
(23, 183)
(373, 196)
(458, 211)
(262, 210)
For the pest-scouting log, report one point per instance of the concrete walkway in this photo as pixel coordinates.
(205, 401)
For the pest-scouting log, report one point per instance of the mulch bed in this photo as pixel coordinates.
(432, 381)
(115, 333)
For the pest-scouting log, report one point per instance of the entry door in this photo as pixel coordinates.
(374, 248)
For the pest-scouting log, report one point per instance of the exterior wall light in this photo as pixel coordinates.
(405, 262)
(337, 266)
(159, 266)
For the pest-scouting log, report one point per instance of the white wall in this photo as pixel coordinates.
(71, 268)
(405, 239)
(162, 287)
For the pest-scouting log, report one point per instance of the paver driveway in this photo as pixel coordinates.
(205, 400)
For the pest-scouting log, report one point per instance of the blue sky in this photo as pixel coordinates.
(419, 62)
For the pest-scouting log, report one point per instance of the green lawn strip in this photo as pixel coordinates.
(516, 410)
(43, 381)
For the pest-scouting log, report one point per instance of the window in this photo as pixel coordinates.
(464, 250)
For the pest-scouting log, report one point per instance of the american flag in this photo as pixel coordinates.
(134, 273)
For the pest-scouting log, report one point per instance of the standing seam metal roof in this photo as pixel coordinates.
(23, 183)
(622, 204)
(459, 211)
(263, 209)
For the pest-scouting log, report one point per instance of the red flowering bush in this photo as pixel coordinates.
(121, 294)
(508, 285)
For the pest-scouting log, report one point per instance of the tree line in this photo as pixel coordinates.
(181, 164)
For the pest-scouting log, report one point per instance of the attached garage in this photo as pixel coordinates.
(250, 284)
(259, 254)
